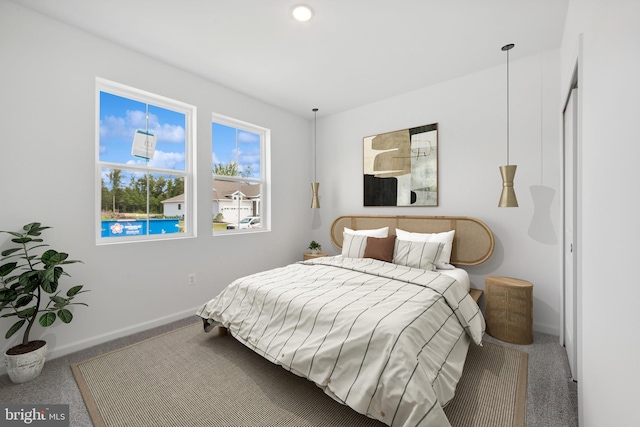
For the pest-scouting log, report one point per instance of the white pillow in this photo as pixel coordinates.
(378, 232)
(353, 245)
(446, 237)
(417, 254)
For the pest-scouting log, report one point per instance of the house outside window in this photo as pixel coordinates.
(145, 156)
(240, 178)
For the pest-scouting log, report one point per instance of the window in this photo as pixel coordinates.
(144, 167)
(240, 191)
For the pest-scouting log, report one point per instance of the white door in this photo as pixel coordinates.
(570, 211)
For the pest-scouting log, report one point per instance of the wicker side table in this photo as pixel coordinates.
(309, 255)
(508, 309)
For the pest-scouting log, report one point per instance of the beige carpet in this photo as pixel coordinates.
(189, 378)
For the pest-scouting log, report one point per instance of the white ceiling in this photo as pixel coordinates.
(351, 53)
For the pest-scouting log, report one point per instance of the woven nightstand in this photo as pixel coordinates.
(508, 309)
(309, 255)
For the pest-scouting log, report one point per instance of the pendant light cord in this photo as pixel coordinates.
(507, 48)
(507, 107)
(315, 142)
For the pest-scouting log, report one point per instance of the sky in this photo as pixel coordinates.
(120, 118)
(236, 145)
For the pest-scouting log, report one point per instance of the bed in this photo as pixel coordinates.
(387, 337)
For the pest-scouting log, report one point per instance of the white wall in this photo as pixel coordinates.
(471, 116)
(47, 115)
(609, 89)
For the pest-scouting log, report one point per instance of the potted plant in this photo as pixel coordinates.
(314, 247)
(25, 282)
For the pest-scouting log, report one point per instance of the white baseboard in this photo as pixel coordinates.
(546, 329)
(99, 339)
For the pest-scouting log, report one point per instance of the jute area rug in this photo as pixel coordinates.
(188, 378)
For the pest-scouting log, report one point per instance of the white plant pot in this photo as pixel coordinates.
(25, 367)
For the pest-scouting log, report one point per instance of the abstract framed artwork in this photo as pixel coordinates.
(401, 167)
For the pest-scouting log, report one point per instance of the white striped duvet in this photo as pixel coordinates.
(387, 340)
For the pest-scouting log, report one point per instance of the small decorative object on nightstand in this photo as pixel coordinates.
(315, 247)
(508, 309)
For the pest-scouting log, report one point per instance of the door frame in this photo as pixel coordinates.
(577, 230)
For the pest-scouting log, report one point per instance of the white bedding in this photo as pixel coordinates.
(460, 275)
(387, 340)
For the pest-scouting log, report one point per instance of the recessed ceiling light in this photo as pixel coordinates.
(302, 13)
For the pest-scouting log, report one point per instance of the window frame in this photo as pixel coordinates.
(189, 173)
(265, 173)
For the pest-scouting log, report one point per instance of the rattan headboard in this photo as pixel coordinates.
(473, 241)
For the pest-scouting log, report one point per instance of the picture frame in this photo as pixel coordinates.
(400, 168)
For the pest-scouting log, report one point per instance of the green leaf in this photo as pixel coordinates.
(27, 313)
(74, 291)
(31, 226)
(32, 285)
(34, 228)
(49, 287)
(10, 251)
(7, 268)
(23, 300)
(21, 240)
(50, 278)
(65, 315)
(49, 274)
(8, 295)
(59, 300)
(52, 257)
(28, 276)
(15, 328)
(47, 319)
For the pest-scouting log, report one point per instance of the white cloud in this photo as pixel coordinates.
(248, 137)
(166, 160)
(113, 126)
(161, 160)
(169, 133)
(125, 127)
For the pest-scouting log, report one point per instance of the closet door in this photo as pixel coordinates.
(570, 224)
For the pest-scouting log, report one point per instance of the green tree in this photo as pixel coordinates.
(115, 177)
(230, 169)
(132, 198)
(104, 196)
(175, 186)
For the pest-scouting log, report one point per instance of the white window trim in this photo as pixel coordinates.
(190, 173)
(265, 173)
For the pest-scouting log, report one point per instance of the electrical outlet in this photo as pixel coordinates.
(191, 278)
